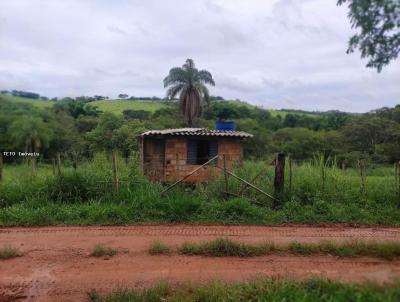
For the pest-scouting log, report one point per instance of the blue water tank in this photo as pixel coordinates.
(225, 125)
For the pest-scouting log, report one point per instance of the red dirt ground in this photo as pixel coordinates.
(56, 265)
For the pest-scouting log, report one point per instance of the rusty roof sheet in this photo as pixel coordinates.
(197, 132)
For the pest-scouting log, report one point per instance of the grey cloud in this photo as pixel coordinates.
(117, 30)
(278, 53)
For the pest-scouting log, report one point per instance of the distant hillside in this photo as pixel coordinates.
(118, 106)
(35, 102)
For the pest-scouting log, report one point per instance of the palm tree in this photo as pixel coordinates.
(31, 133)
(191, 84)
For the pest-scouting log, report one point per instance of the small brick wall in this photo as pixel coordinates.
(176, 165)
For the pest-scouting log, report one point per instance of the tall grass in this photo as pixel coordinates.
(224, 247)
(87, 196)
(313, 290)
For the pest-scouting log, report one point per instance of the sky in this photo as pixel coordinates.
(274, 54)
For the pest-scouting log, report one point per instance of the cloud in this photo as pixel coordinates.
(117, 30)
(278, 53)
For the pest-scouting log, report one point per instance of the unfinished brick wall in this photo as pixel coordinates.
(176, 165)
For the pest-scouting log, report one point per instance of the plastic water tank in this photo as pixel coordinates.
(225, 125)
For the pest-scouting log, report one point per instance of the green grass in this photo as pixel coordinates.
(36, 103)
(103, 251)
(270, 290)
(118, 106)
(87, 197)
(8, 252)
(159, 248)
(223, 247)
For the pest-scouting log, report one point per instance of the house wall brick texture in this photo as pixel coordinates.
(176, 156)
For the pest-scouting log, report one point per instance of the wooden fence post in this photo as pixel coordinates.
(114, 170)
(397, 178)
(33, 161)
(323, 172)
(177, 172)
(74, 161)
(53, 163)
(290, 173)
(225, 175)
(279, 181)
(58, 164)
(1, 167)
(361, 166)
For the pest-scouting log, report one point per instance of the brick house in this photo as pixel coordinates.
(170, 154)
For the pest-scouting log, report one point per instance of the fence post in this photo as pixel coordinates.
(177, 172)
(58, 163)
(33, 160)
(74, 161)
(397, 178)
(323, 172)
(53, 163)
(1, 167)
(279, 181)
(290, 174)
(361, 166)
(114, 170)
(225, 175)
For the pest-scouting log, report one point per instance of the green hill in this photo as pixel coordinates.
(118, 106)
(37, 103)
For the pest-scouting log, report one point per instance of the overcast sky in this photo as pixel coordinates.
(275, 53)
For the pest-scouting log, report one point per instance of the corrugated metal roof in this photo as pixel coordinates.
(197, 132)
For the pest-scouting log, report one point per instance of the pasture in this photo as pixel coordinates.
(87, 196)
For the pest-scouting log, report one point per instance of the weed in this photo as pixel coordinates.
(159, 248)
(313, 290)
(222, 247)
(8, 252)
(103, 251)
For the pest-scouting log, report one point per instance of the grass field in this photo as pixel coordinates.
(86, 196)
(262, 290)
(36, 103)
(118, 106)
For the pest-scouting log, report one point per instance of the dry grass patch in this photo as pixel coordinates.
(8, 252)
(103, 251)
(159, 248)
(222, 247)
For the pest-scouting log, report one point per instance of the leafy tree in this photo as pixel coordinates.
(76, 108)
(191, 84)
(123, 96)
(303, 143)
(372, 135)
(30, 133)
(86, 123)
(136, 114)
(379, 25)
(65, 138)
(102, 137)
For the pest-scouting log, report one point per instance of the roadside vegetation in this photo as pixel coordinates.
(159, 248)
(86, 196)
(261, 290)
(101, 250)
(342, 165)
(223, 247)
(8, 252)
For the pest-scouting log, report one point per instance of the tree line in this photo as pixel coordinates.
(77, 130)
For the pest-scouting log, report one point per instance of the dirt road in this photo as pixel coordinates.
(56, 265)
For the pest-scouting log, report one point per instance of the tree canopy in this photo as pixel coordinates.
(378, 22)
(191, 84)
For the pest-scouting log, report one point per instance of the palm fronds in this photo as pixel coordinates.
(190, 83)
